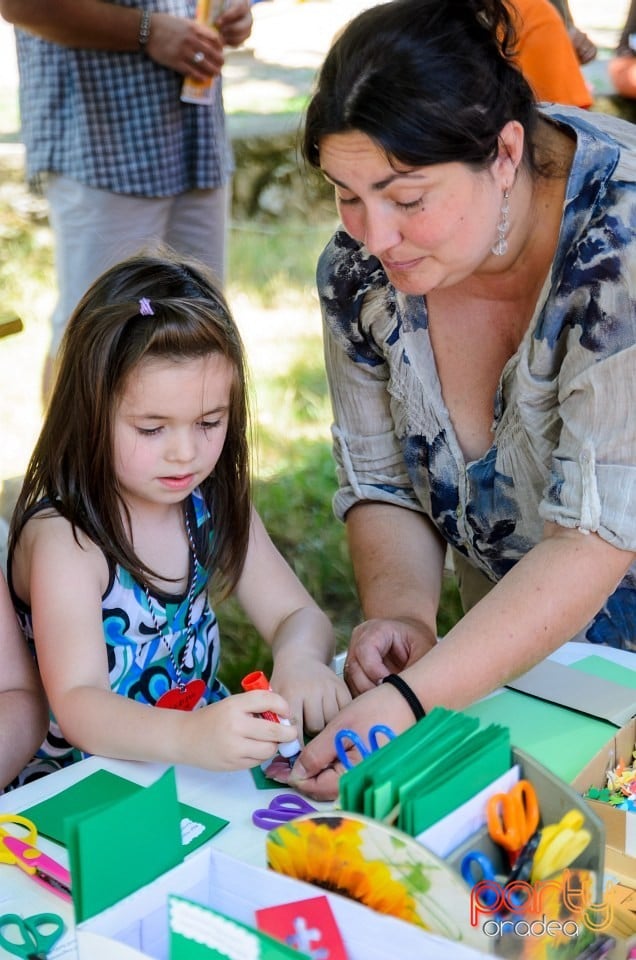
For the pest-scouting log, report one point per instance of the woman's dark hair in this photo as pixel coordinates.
(429, 81)
(107, 337)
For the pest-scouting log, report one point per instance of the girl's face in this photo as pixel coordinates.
(170, 427)
(429, 226)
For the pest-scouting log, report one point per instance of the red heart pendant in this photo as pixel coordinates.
(185, 699)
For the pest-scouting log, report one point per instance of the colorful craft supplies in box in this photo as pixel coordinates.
(428, 785)
(620, 824)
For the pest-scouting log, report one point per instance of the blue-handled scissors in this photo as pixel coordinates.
(477, 867)
(356, 741)
(30, 937)
(282, 809)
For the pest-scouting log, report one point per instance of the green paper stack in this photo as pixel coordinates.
(427, 771)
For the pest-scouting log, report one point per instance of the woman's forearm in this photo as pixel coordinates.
(398, 561)
(547, 597)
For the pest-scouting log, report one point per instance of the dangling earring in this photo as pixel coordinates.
(501, 244)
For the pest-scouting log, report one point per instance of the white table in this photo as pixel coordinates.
(232, 796)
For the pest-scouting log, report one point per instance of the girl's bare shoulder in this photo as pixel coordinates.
(48, 528)
(49, 542)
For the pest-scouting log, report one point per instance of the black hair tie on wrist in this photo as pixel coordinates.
(396, 681)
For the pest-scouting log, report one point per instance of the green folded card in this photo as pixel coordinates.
(389, 759)
(102, 789)
(115, 850)
(427, 771)
(479, 760)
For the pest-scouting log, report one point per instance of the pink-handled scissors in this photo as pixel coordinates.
(18, 847)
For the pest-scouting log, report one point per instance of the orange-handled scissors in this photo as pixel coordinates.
(513, 817)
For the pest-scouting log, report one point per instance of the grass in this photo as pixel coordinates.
(272, 294)
(274, 266)
(281, 106)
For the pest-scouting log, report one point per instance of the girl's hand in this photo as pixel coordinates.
(314, 692)
(232, 735)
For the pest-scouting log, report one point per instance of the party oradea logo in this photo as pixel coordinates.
(561, 908)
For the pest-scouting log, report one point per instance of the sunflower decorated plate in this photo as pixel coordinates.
(377, 865)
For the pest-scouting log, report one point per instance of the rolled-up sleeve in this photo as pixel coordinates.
(594, 465)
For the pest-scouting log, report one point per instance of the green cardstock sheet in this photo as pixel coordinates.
(384, 769)
(562, 740)
(261, 782)
(482, 759)
(102, 789)
(606, 670)
(412, 777)
(119, 848)
(99, 789)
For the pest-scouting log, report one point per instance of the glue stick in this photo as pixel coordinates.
(258, 681)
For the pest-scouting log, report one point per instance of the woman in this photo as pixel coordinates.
(479, 333)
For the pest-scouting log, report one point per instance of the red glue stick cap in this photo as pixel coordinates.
(255, 681)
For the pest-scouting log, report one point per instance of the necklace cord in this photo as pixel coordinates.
(163, 632)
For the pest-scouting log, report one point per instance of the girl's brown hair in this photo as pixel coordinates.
(72, 465)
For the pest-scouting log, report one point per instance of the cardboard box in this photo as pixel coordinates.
(620, 825)
(137, 927)
(615, 703)
(586, 693)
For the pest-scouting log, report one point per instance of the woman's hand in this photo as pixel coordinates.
(379, 647)
(317, 770)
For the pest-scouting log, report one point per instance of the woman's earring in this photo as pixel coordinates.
(501, 244)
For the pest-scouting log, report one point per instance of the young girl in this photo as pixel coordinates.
(136, 497)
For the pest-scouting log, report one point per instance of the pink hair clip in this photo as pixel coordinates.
(145, 308)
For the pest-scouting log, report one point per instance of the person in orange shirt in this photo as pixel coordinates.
(546, 55)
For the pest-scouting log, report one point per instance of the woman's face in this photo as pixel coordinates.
(429, 226)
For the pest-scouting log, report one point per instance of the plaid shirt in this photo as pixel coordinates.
(115, 121)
